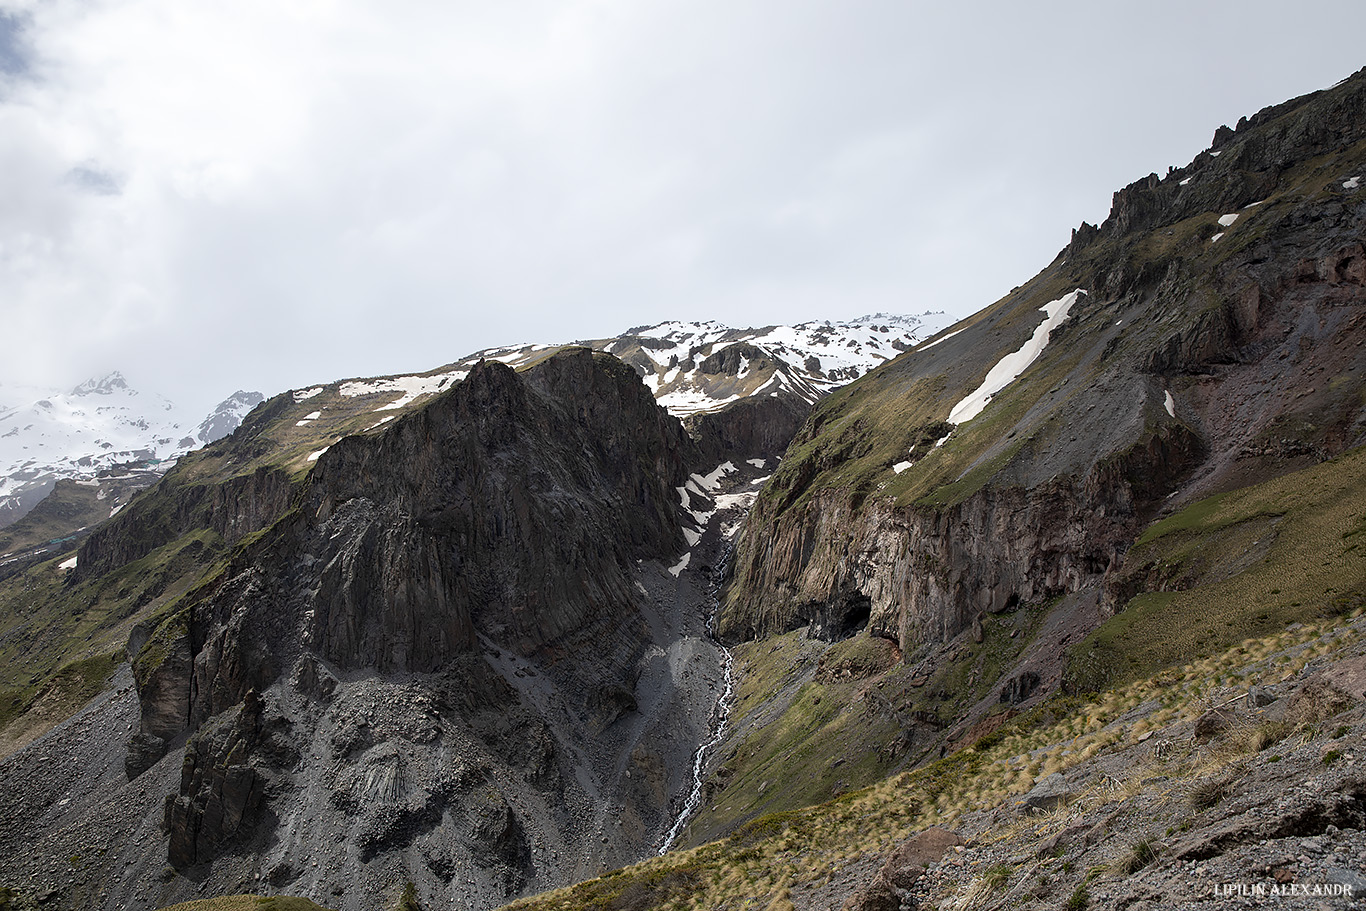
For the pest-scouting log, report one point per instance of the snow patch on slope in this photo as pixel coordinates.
(703, 486)
(409, 388)
(1008, 368)
(942, 338)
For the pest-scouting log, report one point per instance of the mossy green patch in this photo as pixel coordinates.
(62, 693)
(248, 903)
(974, 669)
(1247, 562)
(822, 719)
(59, 638)
(48, 619)
(172, 628)
(816, 725)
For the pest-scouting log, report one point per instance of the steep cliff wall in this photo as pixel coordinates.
(750, 428)
(512, 506)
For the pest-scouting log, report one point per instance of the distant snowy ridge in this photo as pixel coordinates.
(687, 367)
(690, 367)
(103, 423)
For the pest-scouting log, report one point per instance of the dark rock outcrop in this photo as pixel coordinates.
(512, 507)
(221, 793)
(739, 355)
(926, 573)
(1244, 164)
(749, 428)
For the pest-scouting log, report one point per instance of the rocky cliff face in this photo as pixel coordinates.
(1218, 344)
(232, 509)
(462, 625)
(752, 428)
(512, 506)
(458, 607)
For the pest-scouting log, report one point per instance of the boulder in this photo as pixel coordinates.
(1348, 676)
(902, 868)
(907, 861)
(1049, 794)
(1259, 697)
(1213, 723)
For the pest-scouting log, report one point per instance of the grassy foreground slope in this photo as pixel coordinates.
(782, 858)
(1145, 673)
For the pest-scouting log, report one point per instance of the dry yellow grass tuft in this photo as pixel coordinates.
(248, 903)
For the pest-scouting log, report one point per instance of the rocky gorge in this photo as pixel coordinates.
(455, 649)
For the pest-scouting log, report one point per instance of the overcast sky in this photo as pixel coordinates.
(265, 194)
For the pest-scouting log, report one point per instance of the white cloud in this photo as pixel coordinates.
(269, 195)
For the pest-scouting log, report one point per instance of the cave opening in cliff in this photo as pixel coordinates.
(857, 610)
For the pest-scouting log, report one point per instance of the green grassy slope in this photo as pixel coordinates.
(1248, 562)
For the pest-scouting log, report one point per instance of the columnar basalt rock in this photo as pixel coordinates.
(512, 506)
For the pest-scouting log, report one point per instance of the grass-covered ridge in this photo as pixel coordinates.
(1249, 561)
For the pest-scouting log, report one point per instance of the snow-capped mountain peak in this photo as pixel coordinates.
(102, 424)
(109, 384)
(228, 416)
(687, 366)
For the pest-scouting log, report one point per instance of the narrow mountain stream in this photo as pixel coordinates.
(720, 714)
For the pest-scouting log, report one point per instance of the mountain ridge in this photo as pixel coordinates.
(101, 427)
(1101, 535)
